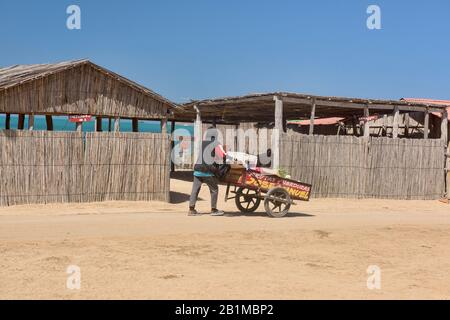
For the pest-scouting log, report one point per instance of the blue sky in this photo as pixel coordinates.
(200, 49)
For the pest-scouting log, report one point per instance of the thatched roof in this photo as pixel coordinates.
(20, 74)
(260, 107)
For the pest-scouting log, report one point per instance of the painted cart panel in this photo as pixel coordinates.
(254, 180)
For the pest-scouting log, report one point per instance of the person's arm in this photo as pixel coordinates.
(220, 151)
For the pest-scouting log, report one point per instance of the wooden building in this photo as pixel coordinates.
(50, 166)
(340, 166)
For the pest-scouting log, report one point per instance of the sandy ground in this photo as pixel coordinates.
(155, 251)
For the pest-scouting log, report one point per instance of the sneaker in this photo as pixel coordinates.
(193, 212)
(217, 213)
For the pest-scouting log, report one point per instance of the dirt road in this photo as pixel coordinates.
(154, 251)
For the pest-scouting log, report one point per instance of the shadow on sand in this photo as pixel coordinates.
(182, 175)
(265, 215)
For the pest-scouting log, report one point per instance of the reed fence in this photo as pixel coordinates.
(352, 167)
(49, 167)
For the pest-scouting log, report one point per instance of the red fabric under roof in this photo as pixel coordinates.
(318, 122)
(431, 101)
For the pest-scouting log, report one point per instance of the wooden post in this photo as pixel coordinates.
(277, 132)
(366, 123)
(21, 122)
(164, 126)
(172, 144)
(444, 127)
(49, 122)
(396, 122)
(407, 121)
(426, 124)
(355, 127)
(313, 116)
(445, 139)
(98, 124)
(109, 124)
(8, 121)
(197, 136)
(116, 124)
(31, 122)
(135, 124)
(448, 172)
(385, 123)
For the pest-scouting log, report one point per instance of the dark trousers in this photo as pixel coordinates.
(211, 182)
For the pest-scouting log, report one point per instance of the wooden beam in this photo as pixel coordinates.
(21, 122)
(313, 116)
(31, 122)
(109, 124)
(135, 124)
(8, 121)
(98, 124)
(49, 122)
(396, 122)
(426, 125)
(366, 123)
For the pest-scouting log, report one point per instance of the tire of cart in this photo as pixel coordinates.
(277, 202)
(247, 200)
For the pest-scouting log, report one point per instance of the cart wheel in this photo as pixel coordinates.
(247, 200)
(277, 202)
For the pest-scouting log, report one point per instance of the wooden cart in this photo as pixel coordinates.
(248, 188)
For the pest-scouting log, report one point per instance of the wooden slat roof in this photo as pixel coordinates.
(260, 107)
